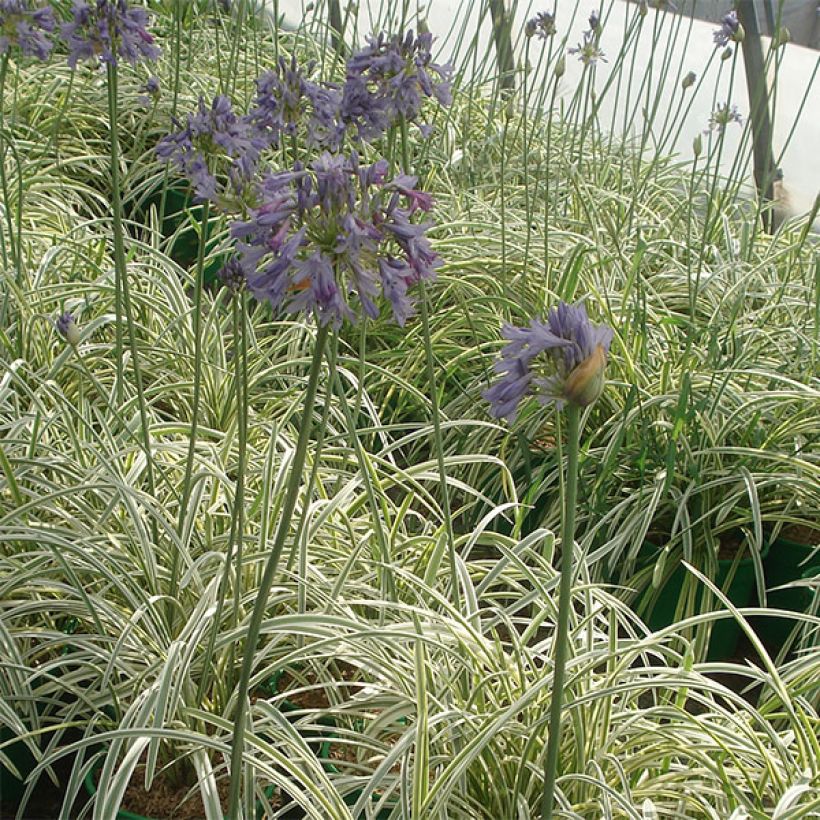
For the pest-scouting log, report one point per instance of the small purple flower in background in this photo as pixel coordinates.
(150, 91)
(588, 50)
(334, 230)
(729, 29)
(722, 116)
(572, 370)
(108, 30)
(397, 73)
(543, 24)
(594, 20)
(26, 27)
(67, 328)
(214, 145)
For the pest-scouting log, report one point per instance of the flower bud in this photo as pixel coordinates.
(697, 146)
(782, 37)
(740, 34)
(585, 383)
(689, 80)
(643, 8)
(67, 328)
(560, 67)
(726, 54)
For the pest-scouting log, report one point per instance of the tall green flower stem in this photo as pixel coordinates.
(261, 605)
(564, 605)
(123, 293)
(430, 365)
(233, 557)
(365, 471)
(4, 65)
(197, 391)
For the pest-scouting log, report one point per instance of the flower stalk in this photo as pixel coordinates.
(564, 605)
(261, 605)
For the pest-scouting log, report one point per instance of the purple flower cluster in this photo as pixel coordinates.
(67, 328)
(729, 27)
(26, 27)
(588, 50)
(334, 230)
(543, 24)
(576, 358)
(388, 79)
(215, 144)
(108, 30)
(285, 98)
(722, 116)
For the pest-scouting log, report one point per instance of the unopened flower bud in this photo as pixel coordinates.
(67, 328)
(697, 146)
(643, 8)
(560, 67)
(726, 53)
(689, 80)
(739, 35)
(782, 37)
(585, 383)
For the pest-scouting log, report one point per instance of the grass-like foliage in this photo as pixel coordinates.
(197, 487)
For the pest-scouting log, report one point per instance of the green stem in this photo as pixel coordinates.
(261, 605)
(124, 293)
(4, 64)
(564, 606)
(364, 470)
(436, 410)
(197, 391)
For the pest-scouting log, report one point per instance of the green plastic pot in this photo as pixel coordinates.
(658, 606)
(122, 814)
(788, 561)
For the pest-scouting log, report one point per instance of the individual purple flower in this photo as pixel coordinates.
(216, 149)
(108, 30)
(722, 116)
(729, 29)
(594, 20)
(543, 24)
(397, 73)
(26, 27)
(335, 230)
(151, 86)
(588, 50)
(67, 328)
(571, 371)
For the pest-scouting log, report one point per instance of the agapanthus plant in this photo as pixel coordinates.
(216, 150)
(571, 371)
(561, 361)
(397, 73)
(108, 30)
(27, 27)
(67, 328)
(335, 230)
(722, 116)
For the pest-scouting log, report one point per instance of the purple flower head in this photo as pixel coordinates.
(588, 50)
(729, 28)
(722, 116)
(594, 20)
(287, 101)
(108, 30)
(26, 27)
(334, 231)
(232, 276)
(572, 370)
(389, 79)
(543, 24)
(216, 150)
(67, 328)
(151, 86)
